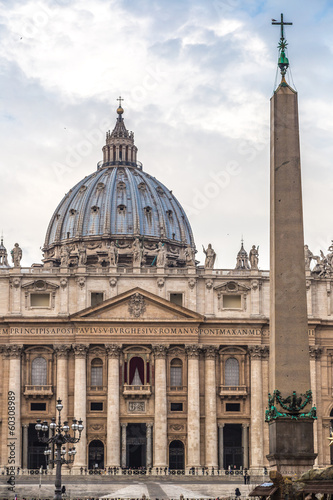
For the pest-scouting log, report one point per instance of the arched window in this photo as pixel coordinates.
(136, 371)
(176, 373)
(39, 371)
(231, 372)
(96, 372)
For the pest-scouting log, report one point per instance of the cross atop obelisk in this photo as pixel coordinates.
(281, 23)
(283, 62)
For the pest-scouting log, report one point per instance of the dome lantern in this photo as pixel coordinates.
(119, 147)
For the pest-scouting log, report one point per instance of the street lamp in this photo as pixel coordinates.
(60, 436)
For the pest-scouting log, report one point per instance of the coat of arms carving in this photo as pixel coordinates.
(136, 305)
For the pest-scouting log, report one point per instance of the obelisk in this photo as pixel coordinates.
(290, 413)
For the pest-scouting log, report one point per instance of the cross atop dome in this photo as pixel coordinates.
(120, 109)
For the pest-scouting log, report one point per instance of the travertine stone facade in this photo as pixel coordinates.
(203, 418)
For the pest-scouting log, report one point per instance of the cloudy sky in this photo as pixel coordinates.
(196, 76)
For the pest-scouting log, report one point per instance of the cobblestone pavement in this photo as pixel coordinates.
(113, 488)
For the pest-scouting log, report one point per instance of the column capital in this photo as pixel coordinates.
(160, 350)
(258, 351)
(220, 426)
(14, 351)
(210, 351)
(149, 426)
(192, 351)
(113, 350)
(315, 351)
(124, 425)
(62, 350)
(80, 350)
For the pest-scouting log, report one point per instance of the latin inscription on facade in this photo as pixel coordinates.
(138, 330)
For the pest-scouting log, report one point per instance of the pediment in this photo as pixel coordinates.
(40, 286)
(232, 287)
(137, 305)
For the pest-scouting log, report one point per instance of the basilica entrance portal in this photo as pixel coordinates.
(36, 457)
(136, 445)
(176, 455)
(96, 455)
(233, 451)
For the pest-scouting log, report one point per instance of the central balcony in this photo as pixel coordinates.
(40, 391)
(233, 392)
(137, 391)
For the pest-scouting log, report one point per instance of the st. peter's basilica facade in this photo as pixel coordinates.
(164, 360)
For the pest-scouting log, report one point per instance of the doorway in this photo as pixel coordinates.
(233, 450)
(136, 444)
(176, 455)
(96, 455)
(36, 457)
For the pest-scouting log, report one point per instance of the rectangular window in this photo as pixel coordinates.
(232, 302)
(38, 406)
(232, 407)
(96, 298)
(40, 300)
(176, 298)
(176, 406)
(96, 406)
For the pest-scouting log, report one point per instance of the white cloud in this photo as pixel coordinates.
(196, 78)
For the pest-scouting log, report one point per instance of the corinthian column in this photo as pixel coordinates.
(113, 424)
(14, 441)
(80, 401)
(257, 410)
(210, 408)
(193, 407)
(62, 377)
(160, 425)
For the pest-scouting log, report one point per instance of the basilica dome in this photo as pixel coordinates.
(118, 203)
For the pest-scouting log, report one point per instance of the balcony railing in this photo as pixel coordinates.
(141, 391)
(38, 390)
(177, 388)
(233, 391)
(98, 388)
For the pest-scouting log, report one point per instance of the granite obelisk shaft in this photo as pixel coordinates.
(291, 440)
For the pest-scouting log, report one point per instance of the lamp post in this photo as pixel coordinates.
(60, 436)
